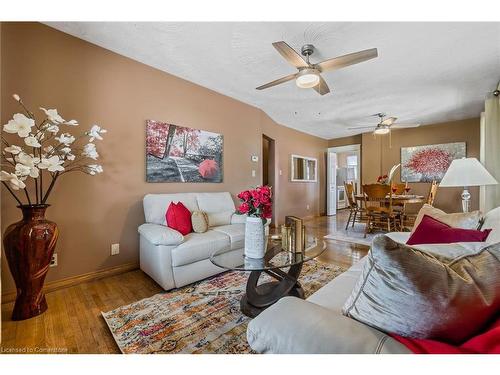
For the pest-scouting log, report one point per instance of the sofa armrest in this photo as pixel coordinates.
(161, 235)
(238, 219)
(293, 325)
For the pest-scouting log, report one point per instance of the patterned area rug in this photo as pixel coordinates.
(203, 317)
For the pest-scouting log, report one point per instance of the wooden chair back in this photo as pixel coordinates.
(432, 193)
(376, 196)
(349, 191)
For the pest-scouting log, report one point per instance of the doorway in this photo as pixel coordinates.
(343, 165)
(269, 169)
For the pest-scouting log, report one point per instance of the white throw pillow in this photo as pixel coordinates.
(492, 221)
(464, 220)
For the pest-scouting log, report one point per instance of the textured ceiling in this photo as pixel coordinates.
(425, 72)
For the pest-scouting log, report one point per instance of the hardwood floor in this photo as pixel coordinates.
(73, 322)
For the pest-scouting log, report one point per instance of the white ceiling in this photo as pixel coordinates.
(425, 72)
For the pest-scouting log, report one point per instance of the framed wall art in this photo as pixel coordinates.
(181, 154)
(429, 163)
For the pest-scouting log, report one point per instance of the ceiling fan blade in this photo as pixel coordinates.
(402, 126)
(389, 121)
(346, 60)
(290, 55)
(322, 88)
(277, 82)
(362, 127)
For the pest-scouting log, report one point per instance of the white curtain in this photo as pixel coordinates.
(490, 127)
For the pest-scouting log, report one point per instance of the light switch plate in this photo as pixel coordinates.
(115, 249)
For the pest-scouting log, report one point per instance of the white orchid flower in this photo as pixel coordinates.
(16, 98)
(5, 176)
(13, 149)
(95, 133)
(53, 116)
(52, 164)
(23, 171)
(94, 169)
(14, 182)
(66, 138)
(19, 124)
(72, 123)
(90, 151)
(32, 141)
(66, 151)
(52, 129)
(28, 160)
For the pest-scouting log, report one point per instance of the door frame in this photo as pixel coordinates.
(336, 150)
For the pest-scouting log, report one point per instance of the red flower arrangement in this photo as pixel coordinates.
(383, 179)
(257, 202)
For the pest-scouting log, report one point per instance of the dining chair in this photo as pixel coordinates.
(356, 211)
(432, 193)
(379, 209)
(408, 220)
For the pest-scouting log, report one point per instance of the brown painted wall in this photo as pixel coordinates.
(83, 81)
(373, 164)
(345, 141)
(294, 197)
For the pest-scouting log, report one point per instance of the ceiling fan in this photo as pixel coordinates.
(385, 124)
(309, 75)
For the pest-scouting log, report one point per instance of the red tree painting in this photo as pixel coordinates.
(429, 163)
(180, 154)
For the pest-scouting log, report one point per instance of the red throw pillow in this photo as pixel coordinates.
(179, 218)
(431, 230)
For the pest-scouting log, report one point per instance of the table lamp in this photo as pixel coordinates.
(466, 172)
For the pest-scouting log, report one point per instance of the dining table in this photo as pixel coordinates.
(398, 198)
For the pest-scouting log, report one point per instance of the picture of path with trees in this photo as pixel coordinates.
(179, 154)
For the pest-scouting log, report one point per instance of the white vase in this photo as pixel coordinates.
(255, 238)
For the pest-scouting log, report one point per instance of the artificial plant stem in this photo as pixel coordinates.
(54, 178)
(27, 196)
(36, 190)
(11, 192)
(41, 183)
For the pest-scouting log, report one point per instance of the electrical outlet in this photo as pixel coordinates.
(253, 173)
(53, 261)
(281, 172)
(115, 249)
(307, 207)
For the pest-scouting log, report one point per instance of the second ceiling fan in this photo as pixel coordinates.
(309, 75)
(384, 125)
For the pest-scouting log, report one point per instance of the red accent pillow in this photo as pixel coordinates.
(179, 218)
(431, 231)
(487, 342)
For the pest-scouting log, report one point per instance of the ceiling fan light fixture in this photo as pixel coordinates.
(307, 78)
(382, 130)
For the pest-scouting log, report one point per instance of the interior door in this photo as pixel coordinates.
(331, 197)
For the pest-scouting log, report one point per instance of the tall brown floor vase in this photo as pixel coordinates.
(29, 245)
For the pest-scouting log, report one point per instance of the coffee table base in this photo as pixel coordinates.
(259, 297)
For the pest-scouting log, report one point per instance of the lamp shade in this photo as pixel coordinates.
(467, 172)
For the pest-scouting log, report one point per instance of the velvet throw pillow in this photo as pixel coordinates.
(431, 231)
(179, 218)
(412, 293)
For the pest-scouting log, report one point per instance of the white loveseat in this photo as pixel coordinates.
(316, 325)
(174, 260)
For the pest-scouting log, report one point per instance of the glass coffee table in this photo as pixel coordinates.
(258, 297)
